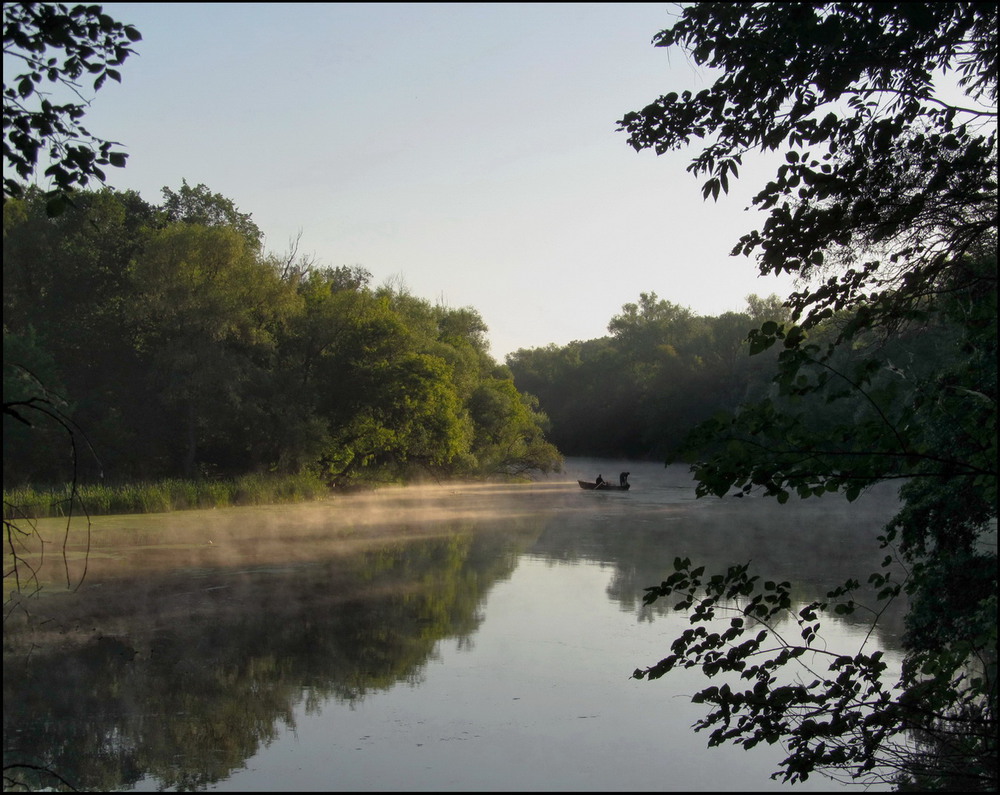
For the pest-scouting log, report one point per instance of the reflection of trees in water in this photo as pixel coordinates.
(189, 681)
(815, 545)
(182, 678)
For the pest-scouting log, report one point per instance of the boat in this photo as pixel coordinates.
(589, 484)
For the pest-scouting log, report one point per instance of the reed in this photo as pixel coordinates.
(161, 496)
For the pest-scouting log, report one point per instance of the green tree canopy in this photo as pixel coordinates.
(183, 348)
(200, 206)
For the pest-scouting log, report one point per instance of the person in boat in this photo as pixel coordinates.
(623, 479)
(599, 482)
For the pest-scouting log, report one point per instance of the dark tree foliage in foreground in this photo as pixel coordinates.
(59, 46)
(885, 206)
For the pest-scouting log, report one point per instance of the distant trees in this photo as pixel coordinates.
(638, 392)
(182, 348)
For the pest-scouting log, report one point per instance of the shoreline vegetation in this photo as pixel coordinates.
(163, 496)
(177, 494)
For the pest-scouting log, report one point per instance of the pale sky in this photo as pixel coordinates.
(469, 151)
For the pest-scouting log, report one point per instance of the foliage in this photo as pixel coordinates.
(907, 177)
(34, 406)
(200, 206)
(638, 392)
(919, 408)
(886, 199)
(165, 495)
(929, 421)
(509, 429)
(840, 716)
(90, 43)
(184, 349)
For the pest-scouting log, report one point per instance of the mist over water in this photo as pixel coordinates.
(445, 637)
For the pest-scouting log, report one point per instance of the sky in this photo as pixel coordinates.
(467, 152)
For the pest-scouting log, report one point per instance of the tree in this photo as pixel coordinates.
(184, 349)
(638, 392)
(590, 393)
(652, 325)
(904, 171)
(199, 205)
(67, 282)
(35, 408)
(90, 42)
(207, 309)
(509, 430)
(415, 416)
(887, 193)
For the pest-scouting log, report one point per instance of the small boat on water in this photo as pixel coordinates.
(589, 484)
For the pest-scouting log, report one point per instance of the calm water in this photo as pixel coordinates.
(446, 638)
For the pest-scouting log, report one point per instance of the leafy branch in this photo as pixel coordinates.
(90, 42)
(839, 719)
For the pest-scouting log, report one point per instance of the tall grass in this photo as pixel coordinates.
(161, 496)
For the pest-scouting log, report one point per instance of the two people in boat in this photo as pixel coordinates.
(622, 480)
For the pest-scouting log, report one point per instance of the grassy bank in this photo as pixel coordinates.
(161, 496)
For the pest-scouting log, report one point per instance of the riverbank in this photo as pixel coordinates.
(161, 496)
(175, 494)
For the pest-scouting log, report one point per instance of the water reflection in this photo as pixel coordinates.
(184, 674)
(201, 641)
(814, 544)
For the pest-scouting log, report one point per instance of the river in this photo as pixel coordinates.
(436, 638)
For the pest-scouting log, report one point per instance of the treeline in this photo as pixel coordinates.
(651, 389)
(171, 344)
(663, 369)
